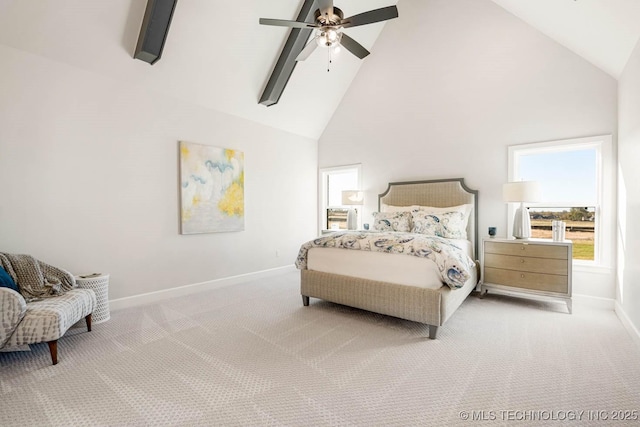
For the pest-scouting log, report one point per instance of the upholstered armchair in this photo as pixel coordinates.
(44, 318)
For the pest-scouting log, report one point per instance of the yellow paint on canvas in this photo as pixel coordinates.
(184, 150)
(232, 203)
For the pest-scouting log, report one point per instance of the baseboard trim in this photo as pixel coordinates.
(633, 331)
(150, 297)
(593, 302)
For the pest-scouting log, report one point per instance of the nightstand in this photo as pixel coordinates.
(100, 284)
(527, 267)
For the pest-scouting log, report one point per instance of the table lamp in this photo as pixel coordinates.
(352, 198)
(521, 191)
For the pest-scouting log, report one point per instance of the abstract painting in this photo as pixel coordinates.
(211, 189)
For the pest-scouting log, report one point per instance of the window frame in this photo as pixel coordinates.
(605, 190)
(323, 187)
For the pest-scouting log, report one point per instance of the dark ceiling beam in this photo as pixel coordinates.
(287, 60)
(154, 30)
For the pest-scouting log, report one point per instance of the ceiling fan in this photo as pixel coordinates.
(329, 24)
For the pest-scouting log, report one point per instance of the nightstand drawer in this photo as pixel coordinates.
(526, 249)
(530, 264)
(527, 280)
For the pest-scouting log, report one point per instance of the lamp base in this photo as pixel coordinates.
(522, 223)
(352, 219)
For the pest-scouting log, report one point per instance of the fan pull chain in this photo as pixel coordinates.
(329, 55)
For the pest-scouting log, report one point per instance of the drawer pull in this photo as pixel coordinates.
(522, 260)
(522, 276)
(522, 247)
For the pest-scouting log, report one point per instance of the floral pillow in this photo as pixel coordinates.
(451, 225)
(392, 221)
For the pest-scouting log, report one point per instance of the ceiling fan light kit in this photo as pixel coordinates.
(329, 23)
(328, 37)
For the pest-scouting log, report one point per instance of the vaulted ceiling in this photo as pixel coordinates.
(218, 56)
(604, 32)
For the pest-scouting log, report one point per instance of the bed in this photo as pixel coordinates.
(421, 289)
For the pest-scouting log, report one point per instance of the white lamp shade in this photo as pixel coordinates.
(521, 191)
(352, 197)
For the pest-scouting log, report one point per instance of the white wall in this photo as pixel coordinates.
(89, 173)
(628, 289)
(216, 54)
(445, 92)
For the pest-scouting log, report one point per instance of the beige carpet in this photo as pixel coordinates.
(251, 354)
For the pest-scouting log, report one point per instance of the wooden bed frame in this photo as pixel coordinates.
(429, 306)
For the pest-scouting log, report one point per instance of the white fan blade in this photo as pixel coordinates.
(308, 50)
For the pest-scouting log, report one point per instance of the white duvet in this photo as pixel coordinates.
(403, 258)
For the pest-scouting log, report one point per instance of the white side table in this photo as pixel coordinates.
(100, 284)
(537, 267)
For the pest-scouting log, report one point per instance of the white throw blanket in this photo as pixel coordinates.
(36, 279)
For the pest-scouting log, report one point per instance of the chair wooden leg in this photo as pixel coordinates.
(53, 345)
(53, 349)
(88, 319)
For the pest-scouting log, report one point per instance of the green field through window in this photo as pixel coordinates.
(581, 234)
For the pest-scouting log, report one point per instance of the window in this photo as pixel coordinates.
(333, 215)
(570, 173)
